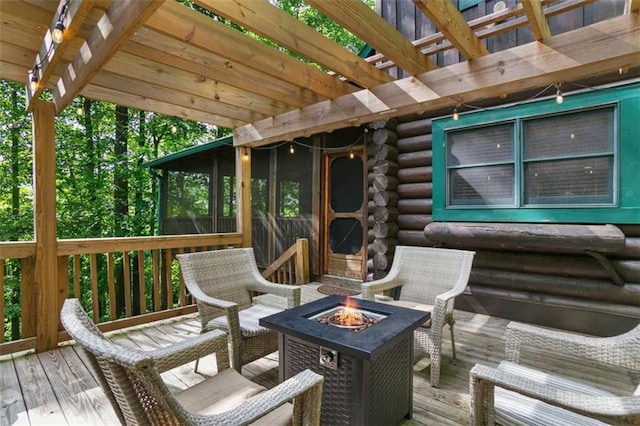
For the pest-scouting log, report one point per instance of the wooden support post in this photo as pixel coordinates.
(302, 261)
(44, 177)
(243, 194)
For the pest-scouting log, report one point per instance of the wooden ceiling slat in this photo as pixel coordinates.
(201, 31)
(446, 17)
(146, 104)
(537, 20)
(269, 21)
(365, 23)
(50, 54)
(612, 44)
(117, 24)
(175, 98)
(171, 52)
(143, 69)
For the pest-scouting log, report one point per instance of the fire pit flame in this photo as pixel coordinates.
(349, 317)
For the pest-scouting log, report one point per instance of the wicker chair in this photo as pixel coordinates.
(428, 279)
(222, 282)
(517, 394)
(131, 380)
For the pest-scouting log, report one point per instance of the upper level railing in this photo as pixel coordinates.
(120, 281)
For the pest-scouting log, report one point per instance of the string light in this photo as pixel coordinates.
(57, 35)
(351, 155)
(33, 82)
(455, 114)
(79, 111)
(245, 154)
(291, 149)
(559, 97)
(174, 129)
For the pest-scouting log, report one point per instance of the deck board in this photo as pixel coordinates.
(57, 387)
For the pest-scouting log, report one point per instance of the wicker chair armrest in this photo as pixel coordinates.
(192, 349)
(305, 385)
(483, 379)
(554, 341)
(201, 297)
(290, 292)
(369, 289)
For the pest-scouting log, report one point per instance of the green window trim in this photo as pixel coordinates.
(624, 206)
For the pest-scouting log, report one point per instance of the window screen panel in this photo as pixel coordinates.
(572, 181)
(346, 184)
(575, 134)
(480, 145)
(489, 185)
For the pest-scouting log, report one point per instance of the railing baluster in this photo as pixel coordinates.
(111, 286)
(141, 283)
(157, 301)
(93, 262)
(76, 276)
(168, 276)
(126, 270)
(182, 289)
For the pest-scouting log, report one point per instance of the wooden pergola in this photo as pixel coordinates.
(165, 57)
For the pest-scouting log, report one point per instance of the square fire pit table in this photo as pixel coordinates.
(368, 373)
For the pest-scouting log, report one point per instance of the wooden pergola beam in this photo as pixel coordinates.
(121, 20)
(537, 21)
(198, 30)
(71, 14)
(269, 21)
(613, 44)
(365, 23)
(446, 17)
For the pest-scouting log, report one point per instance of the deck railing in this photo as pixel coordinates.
(120, 281)
(292, 267)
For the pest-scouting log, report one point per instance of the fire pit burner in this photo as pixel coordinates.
(349, 317)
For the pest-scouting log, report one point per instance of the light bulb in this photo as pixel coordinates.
(455, 114)
(174, 129)
(559, 97)
(79, 111)
(57, 35)
(33, 84)
(291, 149)
(351, 155)
(245, 155)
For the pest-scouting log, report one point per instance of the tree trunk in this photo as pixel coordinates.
(121, 194)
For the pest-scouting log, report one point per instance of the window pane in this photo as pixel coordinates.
(480, 145)
(346, 184)
(188, 194)
(569, 135)
(491, 185)
(578, 181)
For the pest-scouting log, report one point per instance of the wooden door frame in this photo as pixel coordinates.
(326, 161)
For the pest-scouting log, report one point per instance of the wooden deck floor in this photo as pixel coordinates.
(57, 388)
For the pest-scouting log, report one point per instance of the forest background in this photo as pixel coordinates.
(102, 189)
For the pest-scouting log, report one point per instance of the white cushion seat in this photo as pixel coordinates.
(249, 320)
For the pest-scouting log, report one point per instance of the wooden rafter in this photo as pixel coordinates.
(173, 52)
(362, 21)
(201, 31)
(269, 21)
(114, 28)
(71, 15)
(452, 24)
(537, 20)
(612, 44)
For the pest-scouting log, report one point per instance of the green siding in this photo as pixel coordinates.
(628, 156)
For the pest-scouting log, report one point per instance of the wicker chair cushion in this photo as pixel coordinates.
(226, 391)
(249, 317)
(412, 305)
(515, 409)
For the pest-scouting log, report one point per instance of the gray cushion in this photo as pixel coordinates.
(249, 326)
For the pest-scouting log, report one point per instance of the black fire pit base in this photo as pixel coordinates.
(359, 391)
(368, 375)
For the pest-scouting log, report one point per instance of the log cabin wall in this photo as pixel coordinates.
(593, 289)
